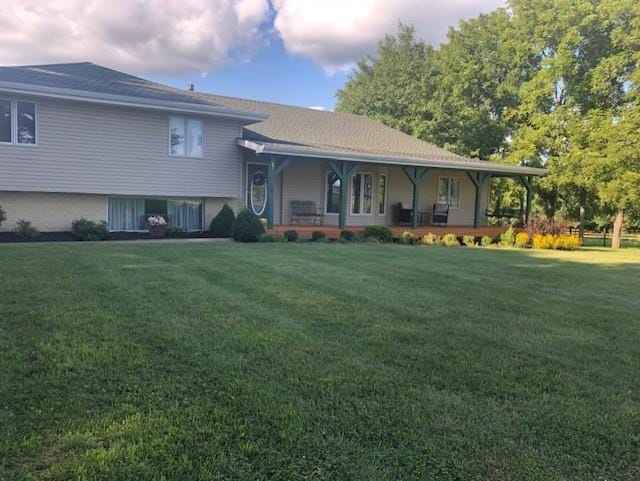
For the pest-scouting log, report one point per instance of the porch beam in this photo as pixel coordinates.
(416, 175)
(344, 171)
(275, 166)
(527, 182)
(479, 180)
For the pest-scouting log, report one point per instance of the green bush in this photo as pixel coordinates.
(177, 231)
(272, 238)
(25, 230)
(246, 227)
(450, 240)
(469, 240)
(508, 238)
(88, 230)
(3, 215)
(222, 223)
(380, 233)
(347, 236)
(291, 236)
(486, 241)
(408, 237)
(317, 235)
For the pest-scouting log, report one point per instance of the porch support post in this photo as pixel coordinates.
(416, 175)
(343, 171)
(527, 182)
(479, 180)
(275, 168)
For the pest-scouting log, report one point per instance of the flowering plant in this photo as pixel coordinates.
(156, 220)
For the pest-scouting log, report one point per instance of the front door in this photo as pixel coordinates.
(257, 189)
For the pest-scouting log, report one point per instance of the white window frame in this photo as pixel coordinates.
(325, 188)
(448, 177)
(386, 190)
(14, 122)
(373, 177)
(185, 120)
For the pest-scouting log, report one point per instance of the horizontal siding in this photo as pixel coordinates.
(115, 150)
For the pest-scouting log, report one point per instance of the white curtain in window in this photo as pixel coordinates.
(185, 213)
(126, 213)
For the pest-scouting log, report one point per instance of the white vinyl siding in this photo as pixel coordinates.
(113, 150)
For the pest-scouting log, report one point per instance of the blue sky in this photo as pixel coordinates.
(271, 74)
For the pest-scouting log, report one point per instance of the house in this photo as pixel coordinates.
(81, 140)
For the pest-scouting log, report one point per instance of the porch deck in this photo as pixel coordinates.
(333, 232)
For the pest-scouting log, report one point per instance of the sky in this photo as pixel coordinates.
(297, 52)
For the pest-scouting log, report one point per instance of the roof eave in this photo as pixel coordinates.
(503, 169)
(128, 101)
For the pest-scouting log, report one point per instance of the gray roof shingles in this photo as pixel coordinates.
(303, 129)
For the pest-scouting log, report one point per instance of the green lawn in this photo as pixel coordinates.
(215, 361)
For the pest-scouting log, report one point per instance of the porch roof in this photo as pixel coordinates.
(378, 156)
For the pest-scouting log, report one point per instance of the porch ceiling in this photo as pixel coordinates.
(452, 162)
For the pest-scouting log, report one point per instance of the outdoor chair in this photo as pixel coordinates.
(303, 212)
(440, 214)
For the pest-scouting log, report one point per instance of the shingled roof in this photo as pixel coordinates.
(274, 128)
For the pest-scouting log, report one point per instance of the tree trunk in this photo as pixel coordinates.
(581, 231)
(616, 239)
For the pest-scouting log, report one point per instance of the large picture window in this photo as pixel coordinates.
(17, 122)
(185, 137)
(449, 191)
(332, 193)
(130, 213)
(362, 194)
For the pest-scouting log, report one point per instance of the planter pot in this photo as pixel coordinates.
(157, 230)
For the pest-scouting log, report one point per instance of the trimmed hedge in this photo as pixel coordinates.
(246, 227)
(380, 233)
(88, 230)
(223, 222)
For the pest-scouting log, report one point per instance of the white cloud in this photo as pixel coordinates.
(143, 36)
(316, 107)
(335, 33)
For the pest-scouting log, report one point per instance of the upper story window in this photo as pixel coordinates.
(17, 122)
(185, 136)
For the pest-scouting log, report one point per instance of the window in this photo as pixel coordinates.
(382, 194)
(26, 123)
(361, 194)
(449, 191)
(185, 137)
(5, 121)
(17, 122)
(332, 205)
(130, 213)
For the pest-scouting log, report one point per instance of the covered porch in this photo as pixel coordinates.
(293, 187)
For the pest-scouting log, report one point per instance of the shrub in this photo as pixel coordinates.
(544, 226)
(430, 239)
(508, 238)
(272, 238)
(450, 240)
(568, 242)
(380, 233)
(469, 240)
(521, 240)
(88, 230)
(486, 241)
(177, 231)
(25, 230)
(542, 241)
(246, 227)
(408, 237)
(222, 223)
(3, 215)
(347, 236)
(317, 235)
(291, 236)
